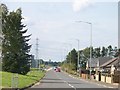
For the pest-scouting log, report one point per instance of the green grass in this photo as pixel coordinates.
(23, 80)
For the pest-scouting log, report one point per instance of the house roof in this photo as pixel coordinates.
(103, 60)
(96, 62)
(113, 61)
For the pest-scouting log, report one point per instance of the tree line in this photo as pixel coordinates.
(15, 47)
(84, 55)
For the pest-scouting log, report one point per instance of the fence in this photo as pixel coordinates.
(108, 78)
(104, 77)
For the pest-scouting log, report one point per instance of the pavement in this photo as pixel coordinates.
(54, 79)
(100, 83)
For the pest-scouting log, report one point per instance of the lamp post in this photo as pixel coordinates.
(78, 54)
(90, 42)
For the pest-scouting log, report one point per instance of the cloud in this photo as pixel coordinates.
(80, 4)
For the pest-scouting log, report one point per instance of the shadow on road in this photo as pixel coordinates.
(60, 82)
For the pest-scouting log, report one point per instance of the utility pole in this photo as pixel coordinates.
(37, 52)
(70, 54)
(90, 44)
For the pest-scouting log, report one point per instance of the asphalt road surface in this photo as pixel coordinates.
(54, 79)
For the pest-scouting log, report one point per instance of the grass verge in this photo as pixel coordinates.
(23, 80)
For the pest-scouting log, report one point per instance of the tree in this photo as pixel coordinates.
(72, 59)
(115, 49)
(3, 9)
(97, 50)
(106, 50)
(73, 56)
(68, 58)
(86, 53)
(16, 49)
(116, 52)
(82, 59)
(110, 50)
(103, 52)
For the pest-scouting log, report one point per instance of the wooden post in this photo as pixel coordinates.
(111, 78)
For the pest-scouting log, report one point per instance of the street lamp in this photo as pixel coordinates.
(90, 42)
(78, 54)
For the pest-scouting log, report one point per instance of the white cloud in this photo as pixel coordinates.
(80, 4)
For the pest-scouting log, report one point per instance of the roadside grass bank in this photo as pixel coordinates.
(23, 80)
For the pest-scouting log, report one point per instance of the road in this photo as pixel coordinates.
(54, 79)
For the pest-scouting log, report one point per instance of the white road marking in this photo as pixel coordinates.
(66, 81)
(94, 83)
(86, 81)
(71, 85)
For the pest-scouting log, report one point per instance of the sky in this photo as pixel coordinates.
(54, 23)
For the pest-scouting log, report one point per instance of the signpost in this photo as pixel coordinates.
(14, 80)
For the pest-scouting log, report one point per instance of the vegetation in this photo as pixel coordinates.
(70, 64)
(23, 80)
(51, 63)
(15, 47)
